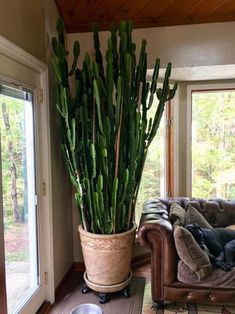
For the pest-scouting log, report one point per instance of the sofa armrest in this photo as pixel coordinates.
(156, 233)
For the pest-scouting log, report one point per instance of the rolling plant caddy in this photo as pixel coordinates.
(106, 133)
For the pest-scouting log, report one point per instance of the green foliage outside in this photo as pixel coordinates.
(153, 170)
(18, 256)
(14, 137)
(213, 143)
(15, 109)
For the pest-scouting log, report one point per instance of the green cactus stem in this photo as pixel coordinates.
(106, 128)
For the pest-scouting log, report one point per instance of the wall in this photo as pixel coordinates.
(189, 45)
(184, 46)
(61, 186)
(30, 24)
(22, 22)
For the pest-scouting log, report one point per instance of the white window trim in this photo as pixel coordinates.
(14, 52)
(190, 89)
(176, 142)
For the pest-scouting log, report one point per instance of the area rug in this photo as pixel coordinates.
(183, 308)
(118, 303)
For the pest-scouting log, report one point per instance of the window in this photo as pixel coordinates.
(212, 127)
(19, 193)
(157, 178)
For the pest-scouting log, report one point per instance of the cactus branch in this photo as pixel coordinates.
(106, 129)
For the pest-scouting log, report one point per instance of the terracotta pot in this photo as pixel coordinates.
(107, 259)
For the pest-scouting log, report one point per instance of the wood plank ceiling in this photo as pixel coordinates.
(78, 15)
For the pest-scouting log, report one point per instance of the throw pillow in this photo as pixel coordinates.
(177, 214)
(194, 216)
(191, 254)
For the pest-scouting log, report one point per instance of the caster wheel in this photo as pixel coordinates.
(126, 292)
(157, 306)
(85, 289)
(103, 298)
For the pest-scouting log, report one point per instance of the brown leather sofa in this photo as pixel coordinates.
(156, 232)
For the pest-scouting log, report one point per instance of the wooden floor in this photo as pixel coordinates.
(145, 271)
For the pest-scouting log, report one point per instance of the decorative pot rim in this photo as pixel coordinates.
(106, 236)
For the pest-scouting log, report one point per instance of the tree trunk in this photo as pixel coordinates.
(14, 196)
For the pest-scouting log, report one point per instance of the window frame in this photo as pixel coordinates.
(3, 296)
(169, 150)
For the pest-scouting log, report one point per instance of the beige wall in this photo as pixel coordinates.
(190, 45)
(184, 46)
(30, 24)
(61, 186)
(22, 22)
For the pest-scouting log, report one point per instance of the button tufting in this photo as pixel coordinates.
(190, 295)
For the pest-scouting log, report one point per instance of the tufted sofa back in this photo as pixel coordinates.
(218, 212)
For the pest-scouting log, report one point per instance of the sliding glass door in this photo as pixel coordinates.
(19, 195)
(26, 260)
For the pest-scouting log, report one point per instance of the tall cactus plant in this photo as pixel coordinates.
(106, 126)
